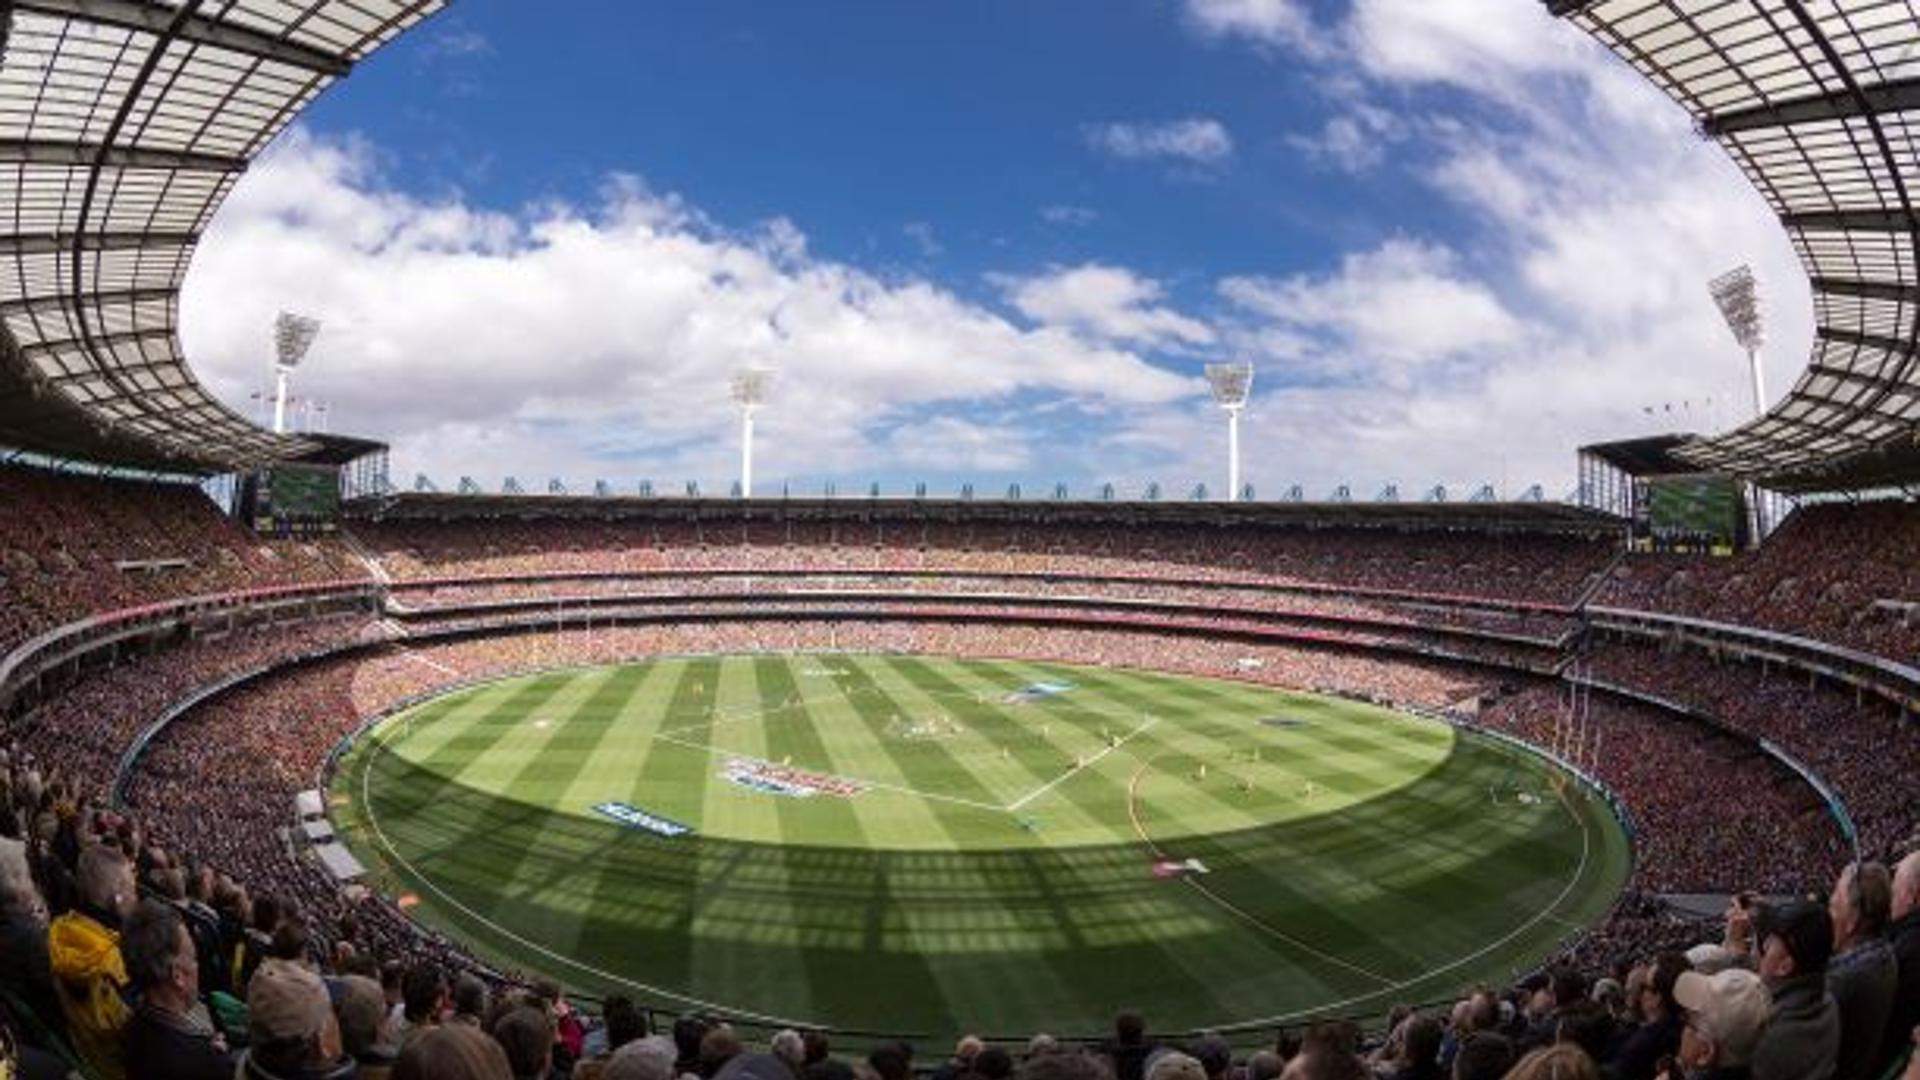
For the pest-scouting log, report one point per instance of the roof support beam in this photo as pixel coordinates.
(1866, 341)
(154, 18)
(62, 302)
(1853, 220)
(90, 155)
(1837, 104)
(107, 341)
(62, 243)
(1869, 290)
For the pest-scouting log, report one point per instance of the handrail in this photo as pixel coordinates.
(1253, 583)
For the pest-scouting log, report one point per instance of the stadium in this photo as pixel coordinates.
(308, 772)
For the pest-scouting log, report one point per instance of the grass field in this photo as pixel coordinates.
(927, 845)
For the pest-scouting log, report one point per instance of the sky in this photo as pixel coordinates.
(996, 242)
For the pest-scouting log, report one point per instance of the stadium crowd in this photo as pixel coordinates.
(1529, 567)
(1858, 744)
(1847, 574)
(73, 546)
(1681, 783)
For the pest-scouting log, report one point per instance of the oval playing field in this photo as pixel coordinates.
(927, 845)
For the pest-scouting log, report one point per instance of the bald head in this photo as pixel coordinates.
(1906, 885)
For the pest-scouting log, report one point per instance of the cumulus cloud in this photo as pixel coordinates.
(1387, 311)
(1569, 297)
(1196, 140)
(597, 339)
(1103, 302)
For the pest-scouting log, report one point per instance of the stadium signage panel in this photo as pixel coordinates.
(637, 818)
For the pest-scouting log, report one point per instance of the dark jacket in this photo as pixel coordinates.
(1863, 981)
(1802, 1040)
(1904, 937)
(163, 1046)
(1642, 1050)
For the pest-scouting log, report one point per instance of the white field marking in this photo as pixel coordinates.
(877, 784)
(418, 659)
(1586, 848)
(1088, 763)
(1133, 786)
(366, 797)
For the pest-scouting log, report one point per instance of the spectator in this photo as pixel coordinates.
(892, 1061)
(170, 1036)
(717, 1047)
(526, 1034)
(1863, 975)
(83, 947)
(1726, 1014)
(647, 1058)
(1174, 1065)
(1658, 1035)
(1483, 1055)
(423, 997)
(292, 1033)
(470, 1000)
(962, 1059)
(24, 968)
(688, 1031)
(1419, 1056)
(1561, 1061)
(366, 1028)
(1904, 935)
(452, 1052)
(1128, 1049)
(788, 1046)
(1802, 1040)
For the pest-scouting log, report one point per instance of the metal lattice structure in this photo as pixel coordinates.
(123, 125)
(1818, 101)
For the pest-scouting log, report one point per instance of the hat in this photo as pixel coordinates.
(1709, 958)
(1731, 1008)
(1804, 928)
(286, 1001)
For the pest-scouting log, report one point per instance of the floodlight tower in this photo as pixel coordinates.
(292, 336)
(1737, 296)
(1232, 384)
(749, 393)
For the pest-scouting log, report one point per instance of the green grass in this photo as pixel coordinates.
(994, 872)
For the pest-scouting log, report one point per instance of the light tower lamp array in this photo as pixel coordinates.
(749, 391)
(1736, 294)
(292, 336)
(1231, 384)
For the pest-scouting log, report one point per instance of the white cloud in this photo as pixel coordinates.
(1355, 141)
(1270, 22)
(948, 443)
(597, 340)
(1197, 140)
(1569, 296)
(1062, 214)
(1388, 311)
(1105, 302)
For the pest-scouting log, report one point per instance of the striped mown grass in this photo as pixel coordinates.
(994, 870)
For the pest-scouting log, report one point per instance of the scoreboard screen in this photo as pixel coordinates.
(1707, 507)
(292, 496)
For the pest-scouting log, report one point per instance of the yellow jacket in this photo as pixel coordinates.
(90, 979)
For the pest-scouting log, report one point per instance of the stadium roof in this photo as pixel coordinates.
(1819, 103)
(1651, 456)
(123, 124)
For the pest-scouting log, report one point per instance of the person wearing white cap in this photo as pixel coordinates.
(1726, 1014)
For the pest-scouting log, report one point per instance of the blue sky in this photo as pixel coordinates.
(995, 240)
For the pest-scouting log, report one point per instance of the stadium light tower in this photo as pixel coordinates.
(749, 393)
(292, 336)
(1231, 385)
(1737, 296)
